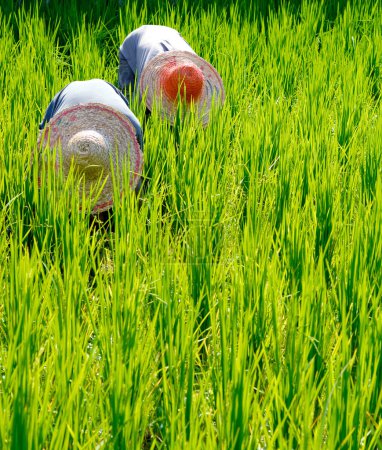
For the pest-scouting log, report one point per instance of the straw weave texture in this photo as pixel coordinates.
(150, 84)
(98, 141)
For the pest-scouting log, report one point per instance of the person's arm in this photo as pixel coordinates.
(126, 76)
(49, 113)
(139, 136)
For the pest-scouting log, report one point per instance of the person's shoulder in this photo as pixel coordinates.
(97, 82)
(94, 84)
(69, 86)
(155, 28)
(80, 83)
(152, 29)
(135, 33)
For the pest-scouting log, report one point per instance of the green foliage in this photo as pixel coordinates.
(237, 303)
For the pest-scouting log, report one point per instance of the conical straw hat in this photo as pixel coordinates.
(98, 141)
(187, 74)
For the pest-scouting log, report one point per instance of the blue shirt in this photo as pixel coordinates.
(143, 44)
(92, 91)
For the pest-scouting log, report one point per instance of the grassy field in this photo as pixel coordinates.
(238, 306)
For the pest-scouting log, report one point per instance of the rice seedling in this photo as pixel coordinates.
(237, 303)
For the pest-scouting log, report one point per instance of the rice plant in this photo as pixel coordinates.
(237, 303)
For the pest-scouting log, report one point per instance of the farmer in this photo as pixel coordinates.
(97, 132)
(156, 60)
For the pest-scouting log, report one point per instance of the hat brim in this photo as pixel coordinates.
(111, 124)
(149, 84)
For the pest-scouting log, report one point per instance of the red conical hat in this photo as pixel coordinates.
(186, 79)
(183, 73)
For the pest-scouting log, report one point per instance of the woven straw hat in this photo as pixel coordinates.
(180, 72)
(98, 140)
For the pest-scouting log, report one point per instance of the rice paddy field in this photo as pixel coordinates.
(237, 303)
